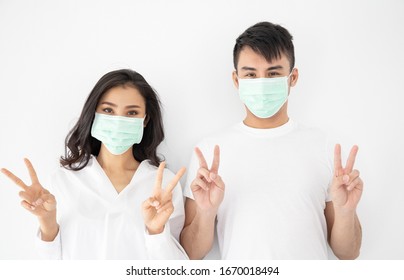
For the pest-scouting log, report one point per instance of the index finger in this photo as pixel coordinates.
(337, 160)
(201, 158)
(31, 170)
(175, 180)
(14, 178)
(159, 176)
(216, 160)
(351, 159)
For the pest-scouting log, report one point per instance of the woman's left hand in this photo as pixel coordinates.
(158, 208)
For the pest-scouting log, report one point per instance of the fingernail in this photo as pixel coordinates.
(212, 176)
(345, 179)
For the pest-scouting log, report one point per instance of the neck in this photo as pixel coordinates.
(112, 162)
(279, 119)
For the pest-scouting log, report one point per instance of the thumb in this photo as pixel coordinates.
(150, 202)
(217, 180)
(47, 200)
(340, 181)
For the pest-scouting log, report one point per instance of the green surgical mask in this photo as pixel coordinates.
(117, 133)
(264, 97)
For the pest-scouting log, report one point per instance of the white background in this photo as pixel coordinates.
(349, 54)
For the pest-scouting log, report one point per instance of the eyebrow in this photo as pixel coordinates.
(114, 105)
(247, 68)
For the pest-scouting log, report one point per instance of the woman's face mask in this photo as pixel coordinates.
(117, 133)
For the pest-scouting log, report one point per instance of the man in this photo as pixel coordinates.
(284, 198)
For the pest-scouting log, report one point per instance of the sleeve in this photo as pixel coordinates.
(166, 246)
(50, 250)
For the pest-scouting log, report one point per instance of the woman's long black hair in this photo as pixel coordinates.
(80, 145)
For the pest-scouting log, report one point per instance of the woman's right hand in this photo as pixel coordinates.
(38, 201)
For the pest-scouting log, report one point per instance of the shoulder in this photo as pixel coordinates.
(63, 175)
(315, 140)
(59, 178)
(311, 132)
(223, 136)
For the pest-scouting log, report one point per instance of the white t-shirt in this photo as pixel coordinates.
(276, 191)
(98, 223)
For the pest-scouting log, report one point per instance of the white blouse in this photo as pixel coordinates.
(96, 222)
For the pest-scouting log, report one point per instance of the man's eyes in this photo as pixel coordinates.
(269, 75)
(273, 74)
(250, 75)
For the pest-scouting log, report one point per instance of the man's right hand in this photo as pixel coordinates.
(208, 187)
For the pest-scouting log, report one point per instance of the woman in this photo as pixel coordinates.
(111, 204)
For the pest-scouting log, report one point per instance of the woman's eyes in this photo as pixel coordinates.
(132, 113)
(129, 113)
(107, 110)
(110, 111)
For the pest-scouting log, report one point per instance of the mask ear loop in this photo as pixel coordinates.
(290, 74)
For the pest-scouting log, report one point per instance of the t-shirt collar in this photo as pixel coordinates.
(267, 132)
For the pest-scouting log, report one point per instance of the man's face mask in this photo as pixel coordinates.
(264, 96)
(117, 133)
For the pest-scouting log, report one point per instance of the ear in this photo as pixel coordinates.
(146, 121)
(294, 77)
(235, 78)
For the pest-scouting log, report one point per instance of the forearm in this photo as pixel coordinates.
(346, 235)
(49, 227)
(197, 237)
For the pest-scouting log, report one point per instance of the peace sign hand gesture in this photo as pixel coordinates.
(208, 187)
(158, 208)
(347, 186)
(36, 199)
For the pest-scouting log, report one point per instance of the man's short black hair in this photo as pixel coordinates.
(268, 39)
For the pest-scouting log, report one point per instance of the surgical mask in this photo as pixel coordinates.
(117, 133)
(264, 97)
